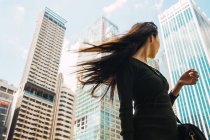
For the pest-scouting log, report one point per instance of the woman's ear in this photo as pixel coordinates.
(151, 39)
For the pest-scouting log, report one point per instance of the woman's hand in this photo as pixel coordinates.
(190, 77)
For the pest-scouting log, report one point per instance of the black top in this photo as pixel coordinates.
(153, 118)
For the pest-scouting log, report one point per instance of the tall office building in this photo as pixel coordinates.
(96, 120)
(63, 126)
(35, 107)
(186, 37)
(7, 100)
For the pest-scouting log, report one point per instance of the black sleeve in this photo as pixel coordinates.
(172, 97)
(125, 92)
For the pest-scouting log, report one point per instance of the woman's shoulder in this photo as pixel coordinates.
(139, 65)
(133, 67)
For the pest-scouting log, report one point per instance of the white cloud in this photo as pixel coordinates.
(66, 43)
(64, 55)
(68, 59)
(118, 4)
(158, 5)
(155, 4)
(19, 14)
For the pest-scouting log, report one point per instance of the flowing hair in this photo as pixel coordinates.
(115, 51)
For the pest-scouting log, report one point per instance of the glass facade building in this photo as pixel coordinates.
(186, 37)
(96, 120)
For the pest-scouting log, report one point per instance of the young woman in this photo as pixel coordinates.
(124, 64)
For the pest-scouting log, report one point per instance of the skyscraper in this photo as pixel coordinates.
(7, 103)
(96, 120)
(35, 108)
(63, 122)
(186, 37)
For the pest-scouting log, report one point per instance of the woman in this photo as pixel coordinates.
(124, 64)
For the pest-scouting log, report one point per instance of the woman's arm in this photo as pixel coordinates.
(189, 77)
(174, 93)
(125, 92)
(177, 88)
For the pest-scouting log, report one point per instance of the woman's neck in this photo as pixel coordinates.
(141, 54)
(141, 58)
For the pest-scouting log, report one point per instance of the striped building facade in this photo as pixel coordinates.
(186, 37)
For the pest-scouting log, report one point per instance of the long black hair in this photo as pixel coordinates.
(115, 51)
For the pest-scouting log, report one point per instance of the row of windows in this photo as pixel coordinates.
(62, 110)
(29, 137)
(39, 84)
(44, 79)
(24, 127)
(63, 101)
(41, 73)
(61, 105)
(43, 46)
(48, 68)
(4, 89)
(59, 33)
(49, 30)
(52, 45)
(64, 125)
(41, 96)
(53, 62)
(38, 80)
(43, 57)
(64, 120)
(58, 134)
(48, 51)
(46, 16)
(36, 75)
(59, 129)
(65, 116)
(39, 118)
(36, 107)
(69, 94)
(67, 98)
(46, 25)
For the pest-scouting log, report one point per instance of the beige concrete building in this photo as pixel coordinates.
(7, 93)
(63, 126)
(6, 87)
(37, 93)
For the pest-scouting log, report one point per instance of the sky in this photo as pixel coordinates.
(19, 17)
